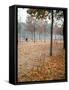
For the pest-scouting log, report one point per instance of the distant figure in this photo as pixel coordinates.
(26, 39)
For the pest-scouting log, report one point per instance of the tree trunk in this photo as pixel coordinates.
(63, 36)
(44, 33)
(51, 34)
(34, 33)
(39, 36)
(65, 30)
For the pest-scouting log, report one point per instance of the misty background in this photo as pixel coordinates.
(28, 26)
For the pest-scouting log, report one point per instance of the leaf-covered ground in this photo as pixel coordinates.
(35, 62)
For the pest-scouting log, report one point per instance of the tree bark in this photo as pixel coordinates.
(51, 34)
(63, 35)
(34, 33)
(39, 36)
(44, 34)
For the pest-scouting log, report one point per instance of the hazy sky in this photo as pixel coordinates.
(22, 14)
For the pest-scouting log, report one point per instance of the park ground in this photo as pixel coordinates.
(36, 64)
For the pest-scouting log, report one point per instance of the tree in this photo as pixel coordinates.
(59, 16)
(51, 33)
(42, 14)
(30, 26)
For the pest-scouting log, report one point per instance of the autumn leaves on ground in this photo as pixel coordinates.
(36, 64)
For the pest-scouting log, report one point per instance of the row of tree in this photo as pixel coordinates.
(44, 22)
(52, 15)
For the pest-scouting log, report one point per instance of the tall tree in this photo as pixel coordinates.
(51, 33)
(42, 14)
(59, 15)
(30, 26)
